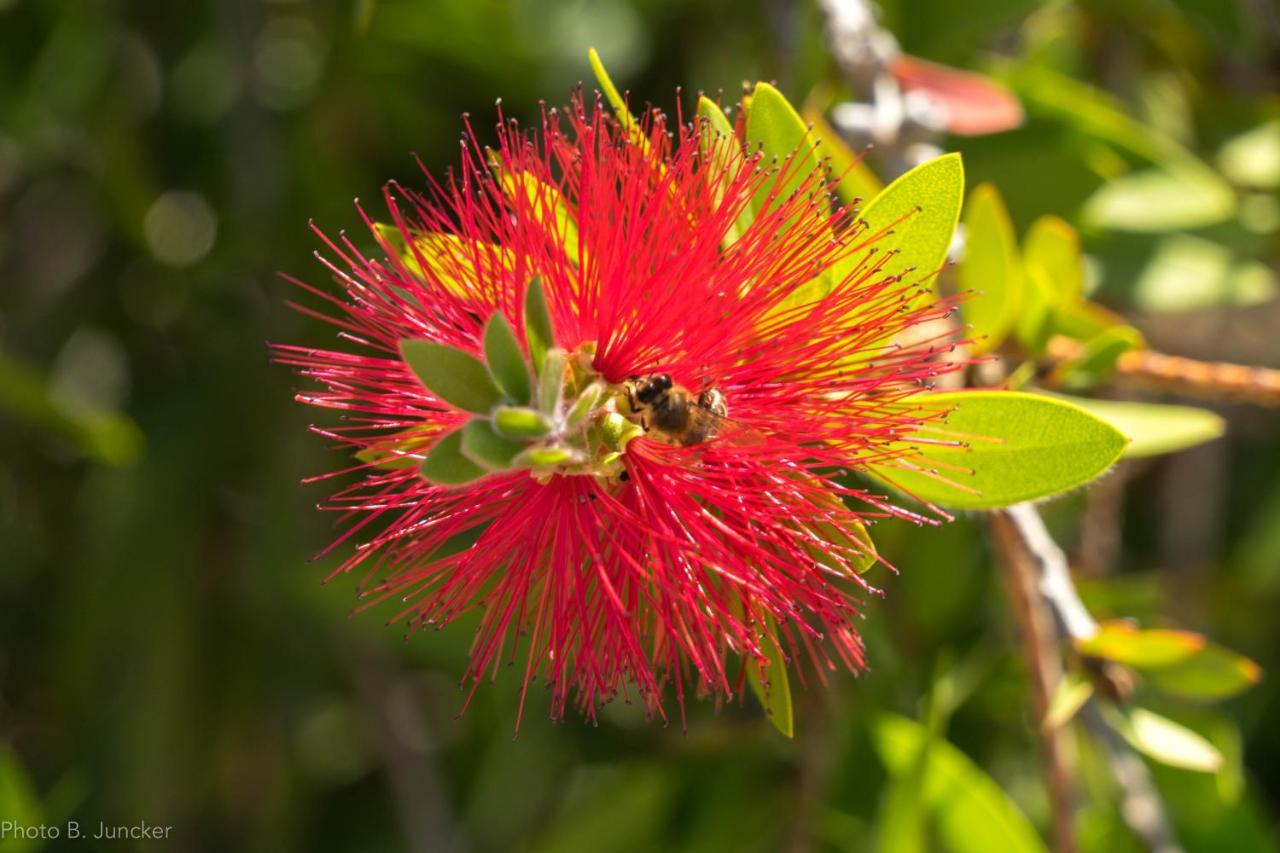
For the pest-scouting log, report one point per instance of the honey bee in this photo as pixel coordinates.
(673, 412)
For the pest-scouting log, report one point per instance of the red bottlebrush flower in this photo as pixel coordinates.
(651, 483)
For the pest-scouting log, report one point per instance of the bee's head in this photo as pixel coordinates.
(649, 390)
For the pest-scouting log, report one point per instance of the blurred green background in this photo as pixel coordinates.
(167, 652)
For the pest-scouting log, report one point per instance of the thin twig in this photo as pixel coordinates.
(1188, 377)
(1140, 805)
(1044, 667)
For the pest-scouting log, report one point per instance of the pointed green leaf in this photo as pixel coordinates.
(456, 377)
(583, 406)
(1154, 429)
(1034, 323)
(1054, 246)
(446, 466)
(520, 422)
(921, 208)
(537, 323)
(506, 359)
(1211, 674)
(1183, 195)
(774, 125)
(1097, 358)
(402, 450)
(1069, 696)
(1013, 447)
(1126, 644)
(772, 687)
(611, 93)
(970, 811)
(1188, 273)
(456, 263)
(992, 270)
(854, 180)
(483, 446)
(724, 151)
(547, 205)
(1163, 740)
(551, 382)
(1252, 159)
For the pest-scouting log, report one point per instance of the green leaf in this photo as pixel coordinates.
(548, 455)
(1154, 429)
(551, 382)
(1167, 742)
(402, 450)
(537, 323)
(583, 406)
(506, 359)
(921, 208)
(1054, 246)
(1015, 447)
(456, 377)
(1034, 324)
(1181, 196)
(1252, 159)
(520, 422)
(1069, 696)
(1126, 644)
(854, 180)
(774, 125)
(992, 270)
(446, 466)
(547, 205)
(455, 263)
(483, 446)
(19, 802)
(611, 91)
(915, 217)
(971, 812)
(1211, 674)
(772, 687)
(27, 397)
(1188, 273)
(724, 151)
(1097, 358)
(634, 131)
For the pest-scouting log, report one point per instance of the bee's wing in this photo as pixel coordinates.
(732, 431)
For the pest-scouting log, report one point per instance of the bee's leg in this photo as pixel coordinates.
(713, 401)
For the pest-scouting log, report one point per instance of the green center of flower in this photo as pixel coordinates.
(547, 412)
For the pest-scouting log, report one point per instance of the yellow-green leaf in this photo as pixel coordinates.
(971, 812)
(1069, 696)
(1126, 644)
(1181, 196)
(774, 125)
(921, 209)
(992, 270)
(854, 180)
(772, 687)
(1054, 246)
(1211, 674)
(1163, 740)
(1154, 428)
(722, 147)
(998, 448)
